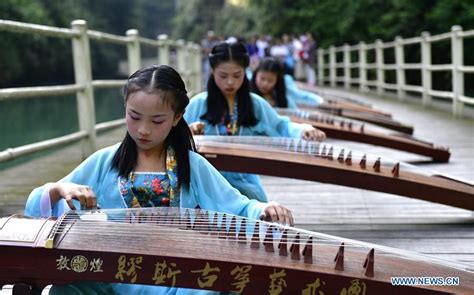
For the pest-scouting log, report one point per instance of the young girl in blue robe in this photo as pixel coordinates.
(155, 165)
(229, 108)
(279, 89)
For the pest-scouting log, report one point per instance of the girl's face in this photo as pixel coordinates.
(266, 81)
(149, 119)
(229, 76)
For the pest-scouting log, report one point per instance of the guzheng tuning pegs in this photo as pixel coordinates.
(330, 153)
(223, 228)
(232, 229)
(339, 259)
(214, 229)
(396, 170)
(295, 248)
(340, 158)
(268, 241)
(349, 158)
(323, 151)
(369, 263)
(283, 244)
(377, 165)
(242, 235)
(363, 161)
(255, 243)
(308, 251)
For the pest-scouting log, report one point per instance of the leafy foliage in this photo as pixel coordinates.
(29, 59)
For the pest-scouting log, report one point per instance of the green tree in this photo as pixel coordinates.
(195, 18)
(30, 59)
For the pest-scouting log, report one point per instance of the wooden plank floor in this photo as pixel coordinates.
(379, 218)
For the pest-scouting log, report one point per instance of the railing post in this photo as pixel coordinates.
(197, 68)
(379, 60)
(83, 76)
(133, 51)
(426, 77)
(347, 66)
(181, 60)
(163, 50)
(400, 63)
(320, 79)
(362, 67)
(457, 52)
(332, 66)
(189, 62)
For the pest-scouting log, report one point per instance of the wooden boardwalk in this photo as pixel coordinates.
(379, 218)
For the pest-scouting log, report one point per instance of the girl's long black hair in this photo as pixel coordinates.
(150, 80)
(217, 106)
(270, 64)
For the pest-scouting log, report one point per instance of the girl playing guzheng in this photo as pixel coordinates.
(155, 165)
(279, 89)
(229, 108)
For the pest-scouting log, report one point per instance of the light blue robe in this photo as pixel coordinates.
(294, 95)
(269, 124)
(208, 189)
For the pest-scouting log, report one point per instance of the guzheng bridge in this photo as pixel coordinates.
(406, 127)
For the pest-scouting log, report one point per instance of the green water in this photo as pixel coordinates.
(25, 121)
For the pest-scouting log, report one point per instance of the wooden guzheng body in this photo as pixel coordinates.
(380, 119)
(353, 109)
(332, 164)
(207, 250)
(335, 127)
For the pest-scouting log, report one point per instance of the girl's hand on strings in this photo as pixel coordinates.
(314, 134)
(275, 212)
(197, 128)
(71, 191)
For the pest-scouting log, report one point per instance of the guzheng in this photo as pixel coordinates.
(295, 158)
(199, 249)
(355, 109)
(375, 118)
(339, 128)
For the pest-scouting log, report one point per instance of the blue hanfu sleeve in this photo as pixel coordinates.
(196, 108)
(87, 173)
(291, 103)
(272, 124)
(297, 95)
(213, 192)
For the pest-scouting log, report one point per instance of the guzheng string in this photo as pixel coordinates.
(179, 223)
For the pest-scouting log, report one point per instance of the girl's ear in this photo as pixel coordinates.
(176, 119)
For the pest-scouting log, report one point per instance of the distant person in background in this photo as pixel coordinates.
(289, 61)
(309, 58)
(279, 89)
(262, 45)
(297, 53)
(252, 51)
(229, 108)
(206, 45)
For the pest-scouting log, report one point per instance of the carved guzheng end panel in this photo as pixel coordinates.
(208, 250)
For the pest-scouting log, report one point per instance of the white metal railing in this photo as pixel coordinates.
(456, 67)
(188, 63)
